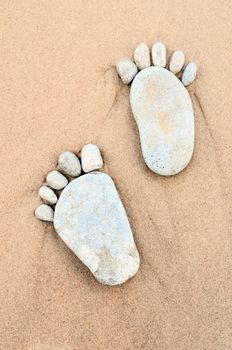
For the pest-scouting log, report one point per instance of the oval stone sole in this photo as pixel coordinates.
(91, 220)
(163, 111)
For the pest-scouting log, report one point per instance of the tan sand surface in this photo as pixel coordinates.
(58, 91)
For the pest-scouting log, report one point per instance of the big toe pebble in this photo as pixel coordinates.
(56, 180)
(127, 70)
(91, 158)
(44, 212)
(70, 164)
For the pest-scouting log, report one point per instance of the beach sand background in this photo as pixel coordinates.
(59, 91)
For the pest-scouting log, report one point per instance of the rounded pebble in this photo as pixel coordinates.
(159, 55)
(70, 164)
(48, 195)
(142, 56)
(164, 114)
(189, 74)
(56, 180)
(44, 212)
(177, 62)
(92, 221)
(91, 158)
(127, 70)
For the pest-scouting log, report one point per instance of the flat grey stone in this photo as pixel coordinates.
(44, 213)
(91, 158)
(70, 164)
(56, 180)
(163, 111)
(48, 195)
(90, 218)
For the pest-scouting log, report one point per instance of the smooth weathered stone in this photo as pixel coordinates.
(177, 62)
(126, 70)
(142, 56)
(56, 180)
(44, 212)
(91, 158)
(70, 164)
(48, 195)
(159, 55)
(163, 111)
(92, 221)
(189, 74)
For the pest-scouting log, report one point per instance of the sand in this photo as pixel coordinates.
(58, 91)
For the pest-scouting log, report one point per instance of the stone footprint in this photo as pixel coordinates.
(161, 106)
(89, 216)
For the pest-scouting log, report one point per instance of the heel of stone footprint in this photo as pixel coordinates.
(127, 69)
(69, 167)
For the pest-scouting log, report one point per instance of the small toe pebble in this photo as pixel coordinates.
(142, 56)
(70, 164)
(91, 158)
(127, 70)
(189, 74)
(48, 195)
(44, 212)
(159, 55)
(177, 62)
(56, 180)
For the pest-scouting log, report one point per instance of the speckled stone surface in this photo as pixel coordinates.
(90, 218)
(163, 111)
